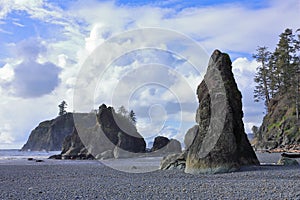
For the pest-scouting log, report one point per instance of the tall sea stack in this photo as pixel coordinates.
(220, 144)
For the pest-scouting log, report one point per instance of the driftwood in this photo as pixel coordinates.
(295, 155)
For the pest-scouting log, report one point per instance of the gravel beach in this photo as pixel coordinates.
(59, 179)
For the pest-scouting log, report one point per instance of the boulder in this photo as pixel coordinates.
(105, 155)
(174, 146)
(162, 145)
(287, 161)
(190, 136)
(220, 144)
(55, 157)
(159, 143)
(173, 161)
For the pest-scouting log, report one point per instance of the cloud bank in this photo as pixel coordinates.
(51, 41)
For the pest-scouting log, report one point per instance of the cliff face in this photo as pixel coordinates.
(280, 128)
(49, 135)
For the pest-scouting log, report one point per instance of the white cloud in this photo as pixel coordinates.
(6, 73)
(29, 78)
(18, 24)
(97, 36)
(6, 32)
(244, 72)
(5, 134)
(18, 117)
(243, 64)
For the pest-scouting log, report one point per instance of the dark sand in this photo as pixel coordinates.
(55, 179)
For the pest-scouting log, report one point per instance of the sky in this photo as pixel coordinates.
(145, 53)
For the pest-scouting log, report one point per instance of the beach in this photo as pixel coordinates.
(68, 179)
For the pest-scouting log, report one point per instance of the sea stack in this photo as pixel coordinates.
(49, 135)
(220, 144)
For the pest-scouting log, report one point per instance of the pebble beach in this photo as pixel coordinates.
(61, 179)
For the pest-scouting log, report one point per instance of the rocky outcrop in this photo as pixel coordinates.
(120, 130)
(49, 135)
(159, 142)
(176, 160)
(103, 136)
(73, 148)
(280, 128)
(220, 144)
(125, 147)
(287, 161)
(162, 145)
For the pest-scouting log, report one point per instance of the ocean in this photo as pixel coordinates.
(16, 154)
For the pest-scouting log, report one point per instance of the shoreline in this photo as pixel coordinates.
(264, 157)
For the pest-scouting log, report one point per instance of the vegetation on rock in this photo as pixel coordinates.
(62, 108)
(278, 71)
(278, 82)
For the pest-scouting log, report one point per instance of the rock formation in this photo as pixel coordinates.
(220, 144)
(162, 145)
(280, 128)
(190, 135)
(121, 132)
(174, 146)
(288, 161)
(87, 135)
(159, 142)
(49, 135)
(174, 161)
(107, 135)
(73, 148)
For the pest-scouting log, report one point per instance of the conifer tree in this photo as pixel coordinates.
(279, 71)
(62, 106)
(297, 63)
(262, 77)
(132, 117)
(284, 60)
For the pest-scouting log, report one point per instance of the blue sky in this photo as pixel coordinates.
(44, 45)
(187, 4)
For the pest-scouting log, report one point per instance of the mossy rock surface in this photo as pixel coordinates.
(280, 125)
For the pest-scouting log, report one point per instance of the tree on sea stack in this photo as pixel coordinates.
(62, 108)
(132, 117)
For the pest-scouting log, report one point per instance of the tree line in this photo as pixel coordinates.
(122, 112)
(279, 70)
